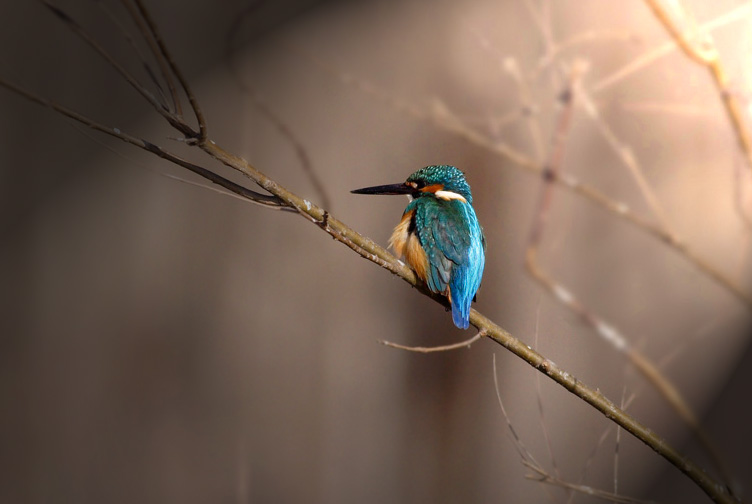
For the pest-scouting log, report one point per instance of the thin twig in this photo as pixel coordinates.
(539, 398)
(175, 70)
(136, 49)
(627, 156)
(242, 194)
(625, 403)
(544, 477)
(443, 348)
(617, 444)
(164, 68)
(171, 118)
(528, 460)
(525, 454)
(591, 456)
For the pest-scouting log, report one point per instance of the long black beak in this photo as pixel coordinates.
(402, 188)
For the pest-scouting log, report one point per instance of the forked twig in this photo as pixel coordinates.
(540, 474)
(175, 69)
(76, 28)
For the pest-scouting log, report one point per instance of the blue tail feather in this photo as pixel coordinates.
(464, 285)
(466, 278)
(461, 315)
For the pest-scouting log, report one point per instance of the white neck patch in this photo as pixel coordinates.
(449, 195)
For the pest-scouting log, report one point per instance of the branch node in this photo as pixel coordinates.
(548, 174)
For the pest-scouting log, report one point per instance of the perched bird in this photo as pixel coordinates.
(439, 235)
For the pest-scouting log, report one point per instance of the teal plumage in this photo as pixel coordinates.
(449, 253)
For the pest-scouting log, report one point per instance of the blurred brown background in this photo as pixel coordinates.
(164, 343)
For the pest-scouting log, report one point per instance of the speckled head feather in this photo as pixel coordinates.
(451, 178)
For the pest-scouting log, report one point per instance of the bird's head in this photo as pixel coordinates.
(439, 181)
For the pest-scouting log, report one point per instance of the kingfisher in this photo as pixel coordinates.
(439, 235)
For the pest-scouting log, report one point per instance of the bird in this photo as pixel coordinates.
(439, 235)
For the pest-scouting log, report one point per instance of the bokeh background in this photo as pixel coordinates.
(161, 342)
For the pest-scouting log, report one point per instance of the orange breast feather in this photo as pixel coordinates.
(407, 245)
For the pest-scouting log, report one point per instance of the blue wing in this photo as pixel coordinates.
(450, 234)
